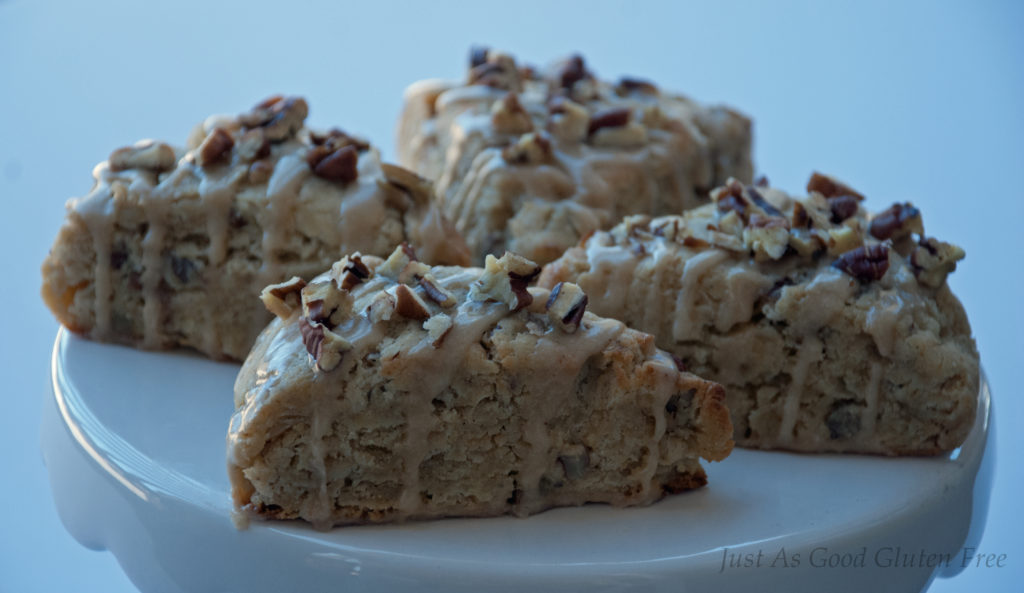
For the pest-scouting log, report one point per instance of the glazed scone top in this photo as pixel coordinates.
(418, 322)
(571, 137)
(264, 161)
(769, 242)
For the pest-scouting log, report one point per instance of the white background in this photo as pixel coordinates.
(918, 101)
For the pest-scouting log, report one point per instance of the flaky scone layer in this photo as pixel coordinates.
(417, 392)
(830, 330)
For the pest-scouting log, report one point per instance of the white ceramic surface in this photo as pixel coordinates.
(134, 444)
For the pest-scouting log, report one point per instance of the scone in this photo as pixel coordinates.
(388, 391)
(830, 330)
(172, 247)
(531, 161)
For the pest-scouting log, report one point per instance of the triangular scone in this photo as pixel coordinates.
(830, 330)
(172, 247)
(389, 391)
(530, 160)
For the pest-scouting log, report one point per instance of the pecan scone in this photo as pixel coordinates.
(393, 390)
(172, 247)
(830, 330)
(530, 161)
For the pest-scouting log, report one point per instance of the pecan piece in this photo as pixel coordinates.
(763, 204)
(608, 118)
(253, 145)
(215, 147)
(477, 56)
(350, 272)
(572, 71)
(831, 187)
(339, 165)
(628, 85)
(147, 155)
(409, 304)
(566, 306)
(730, 199)
(865, 263)
(898, 221)
(505, 280)
(933, 260)
(437, 328)
(280, 117)
(530, 149)
(509, 117)
(842, 207)
(284, 298)
(435, 292)
(325, 346)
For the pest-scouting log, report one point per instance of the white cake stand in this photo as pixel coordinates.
(135, 446)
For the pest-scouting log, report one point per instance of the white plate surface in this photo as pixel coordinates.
(135, 444)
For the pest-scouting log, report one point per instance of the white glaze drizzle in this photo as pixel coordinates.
(684, 327)
(809, 353)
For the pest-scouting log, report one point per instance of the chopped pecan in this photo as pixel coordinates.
(531, 149)
(336, 139)
(830, 187)
(409, 304)
(763, 204)
(437, 328)
(628, 85)
(284, 298)
(340, 165)
(898, 221)
(865, 263)
(350, 271)
(694, 242)
(800, 218)
(509, 117)
(214, 148)
(419, 189)
(325, 346)
(572, 71)
(608, 118)
(568, 119)
(566, 306)
(253, 145)
(932, 260)
(842, 207)
(280, 117)
(147, 155)
(730, 198)
(498, 71)
(435, 292)
(843, 239)
(505, 280)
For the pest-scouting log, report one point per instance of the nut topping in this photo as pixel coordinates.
(477, 56)
(409, 304)
(509, 117)
(350, 271)
(253, 145)
(280, 117)
(568, 120)
(339, 165)
(763, 204)
(842, 207)
(531, 149)
(566, 306)
(147, 155)
(260, 171)
(284, 298)
(572, 71)
(325, 346)
(437, 328)
(898, 221)
(608, 118)
(421, 190)
(628, 85)
(498, 71)
(215, 147)
(866, 263)
(505, 280)
(933, 260)
(830, 187)
(437, 294)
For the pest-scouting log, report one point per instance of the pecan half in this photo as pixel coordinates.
(896, 222)
(865, 263)
(566, 306)
(215, 147)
